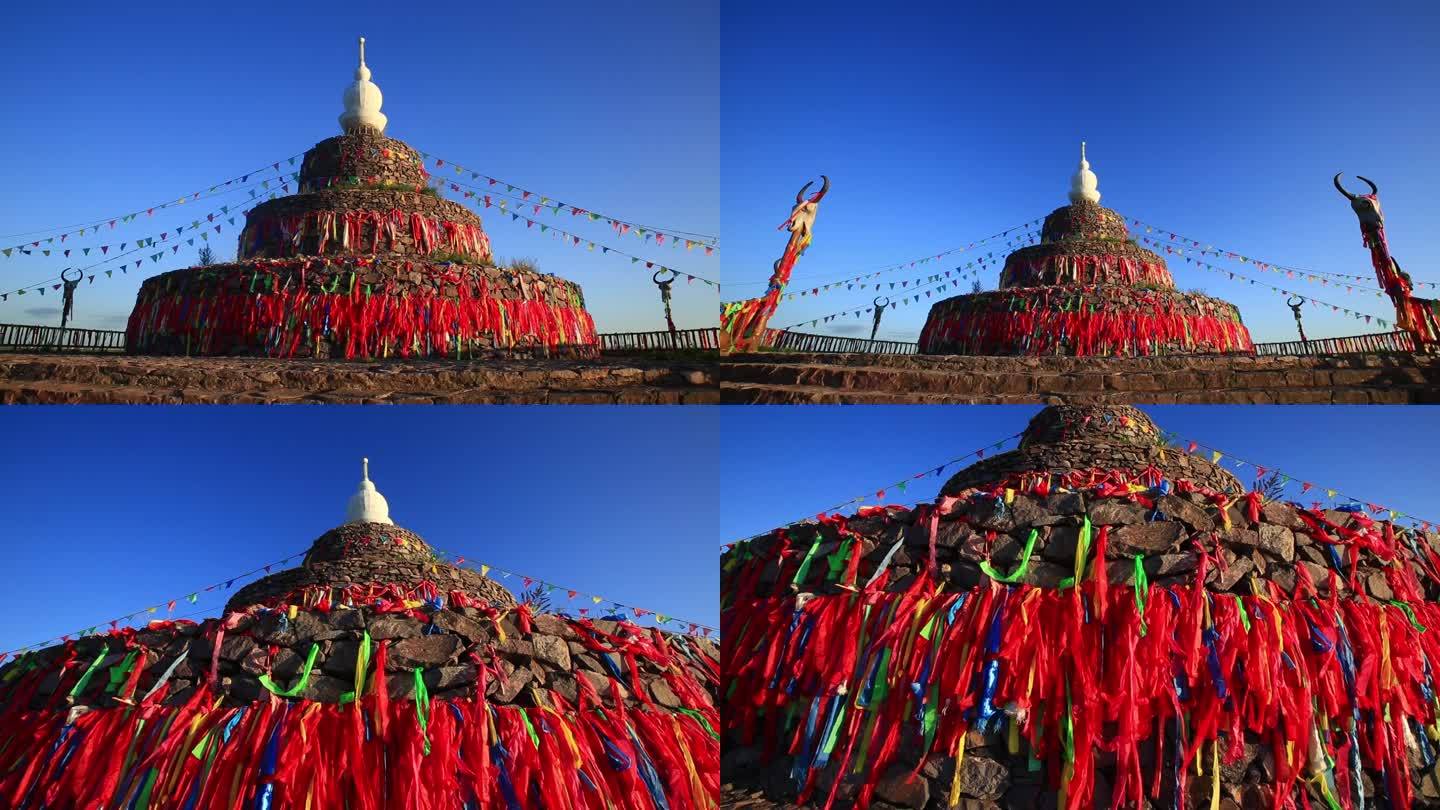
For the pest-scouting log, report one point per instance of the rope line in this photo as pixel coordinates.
(576, 240)
(154, 609)
(440, 162)
(903, 301)
(880, 493)
(1211, 248)
(911, 263)
(222, 211)
(150, 209)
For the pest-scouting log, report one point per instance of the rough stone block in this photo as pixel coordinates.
(1146, 538)
(425, 651)
(1186, 511)
(552, 650)
(463, 626)
(1111, 511)
(388, 627)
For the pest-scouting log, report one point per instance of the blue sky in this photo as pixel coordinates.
(111, 510)
(117, 108)
(942, 125)
(780, 464)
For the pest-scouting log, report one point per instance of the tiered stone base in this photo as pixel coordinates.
(345, 222)
(362, 308)
(1085, 262)
(1081, 321)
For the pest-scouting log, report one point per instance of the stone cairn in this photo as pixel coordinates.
(365, 261)
(374, 675)
(1085, 290)
(1094, 619)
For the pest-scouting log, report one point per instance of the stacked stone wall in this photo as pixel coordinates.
(361, 157)
(315, 224)
(370, 307)
(1180, 532)
(443, 643)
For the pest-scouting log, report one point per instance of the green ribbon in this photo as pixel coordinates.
(697, 717)
(1142, 591)
(805, 563)
(142, 802)
(1240, 606)
(422, 708)
(119, 671)
(530, 728)
(89, 673)
(929, 721)
(1409, 614)
(837, 560)
(268, 683)
(1013, 576)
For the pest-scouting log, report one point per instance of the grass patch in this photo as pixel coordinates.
(524, 265)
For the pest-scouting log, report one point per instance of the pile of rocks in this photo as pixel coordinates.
(386, 582)
(361, 553)
(1166, 537)
(443, 643)
(384, 676)
(360, 264)
(1085, 290)
(1166, 509)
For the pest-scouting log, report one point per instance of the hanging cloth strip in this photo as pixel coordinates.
(300, 684)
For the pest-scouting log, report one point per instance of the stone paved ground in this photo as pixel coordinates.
(795, 378)
(640, 379)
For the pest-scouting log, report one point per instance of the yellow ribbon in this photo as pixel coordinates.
(959, 761)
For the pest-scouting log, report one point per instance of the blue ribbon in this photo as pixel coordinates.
(498, 755)
(801, 764)
(650, 776)
(1213, 659)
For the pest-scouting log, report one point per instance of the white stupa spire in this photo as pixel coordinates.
(367, 505)
(362, 101)
(1084, 185)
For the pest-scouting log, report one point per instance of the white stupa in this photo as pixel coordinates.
(362, 101)
(1084, 185)
(367, 505)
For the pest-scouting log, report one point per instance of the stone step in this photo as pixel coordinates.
(50, 379)
(1391, 379)
(991, 392)
(42, 393)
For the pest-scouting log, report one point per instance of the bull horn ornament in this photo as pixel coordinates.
(1373, 188)
(824, 187)
(1418, 316)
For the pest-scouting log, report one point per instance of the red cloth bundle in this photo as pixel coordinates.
(360, 230)
(1122, 332)
(370, 755)
(1086, 670)
(374, 753)
(375, 323)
